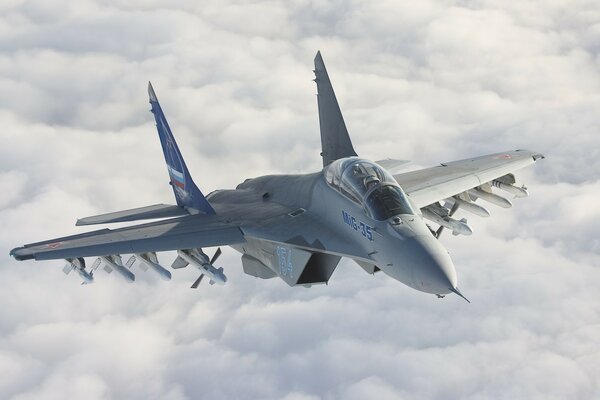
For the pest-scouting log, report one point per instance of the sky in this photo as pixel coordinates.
(427, 81)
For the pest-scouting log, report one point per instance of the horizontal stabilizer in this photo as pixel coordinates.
(135, 214)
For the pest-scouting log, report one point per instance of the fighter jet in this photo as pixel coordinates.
(298, 227)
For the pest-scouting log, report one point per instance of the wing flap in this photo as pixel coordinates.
(179, 233)
(430, 185)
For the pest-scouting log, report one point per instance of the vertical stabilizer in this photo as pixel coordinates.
(186, 192)
(335, 141)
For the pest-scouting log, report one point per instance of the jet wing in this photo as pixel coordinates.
(430, 185)
(270, 222)
(199, 230)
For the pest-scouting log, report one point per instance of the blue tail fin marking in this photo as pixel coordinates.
(186, 192)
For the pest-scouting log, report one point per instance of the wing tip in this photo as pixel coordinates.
(534, 154)
(151, 92)
(319, 64)
(20, 254)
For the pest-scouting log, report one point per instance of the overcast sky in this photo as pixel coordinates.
(420, 80)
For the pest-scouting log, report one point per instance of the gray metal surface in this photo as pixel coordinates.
(429, 185)
(184, 232)
(335, 141)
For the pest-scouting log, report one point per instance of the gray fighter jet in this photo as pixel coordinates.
(298, 227)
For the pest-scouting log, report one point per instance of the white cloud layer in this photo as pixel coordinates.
(428, 81)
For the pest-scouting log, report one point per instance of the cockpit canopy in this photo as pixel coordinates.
(368, 185)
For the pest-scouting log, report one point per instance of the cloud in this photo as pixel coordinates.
(427, 81)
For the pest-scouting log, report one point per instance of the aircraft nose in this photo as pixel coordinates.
(432, 269)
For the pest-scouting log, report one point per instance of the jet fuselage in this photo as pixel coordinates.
(401, 246)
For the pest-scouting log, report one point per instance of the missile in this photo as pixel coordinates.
(457, 227)
(200, 260)
(518, 192)
(149, 260)
(469, 206)
(114, 263)
(491, 197)
(78, 264)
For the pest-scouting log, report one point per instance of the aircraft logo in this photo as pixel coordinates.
(175, 167)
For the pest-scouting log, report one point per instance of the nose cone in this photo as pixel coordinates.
(432, 268)
(220, 278)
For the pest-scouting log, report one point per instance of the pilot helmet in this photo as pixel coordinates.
(371, 181)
